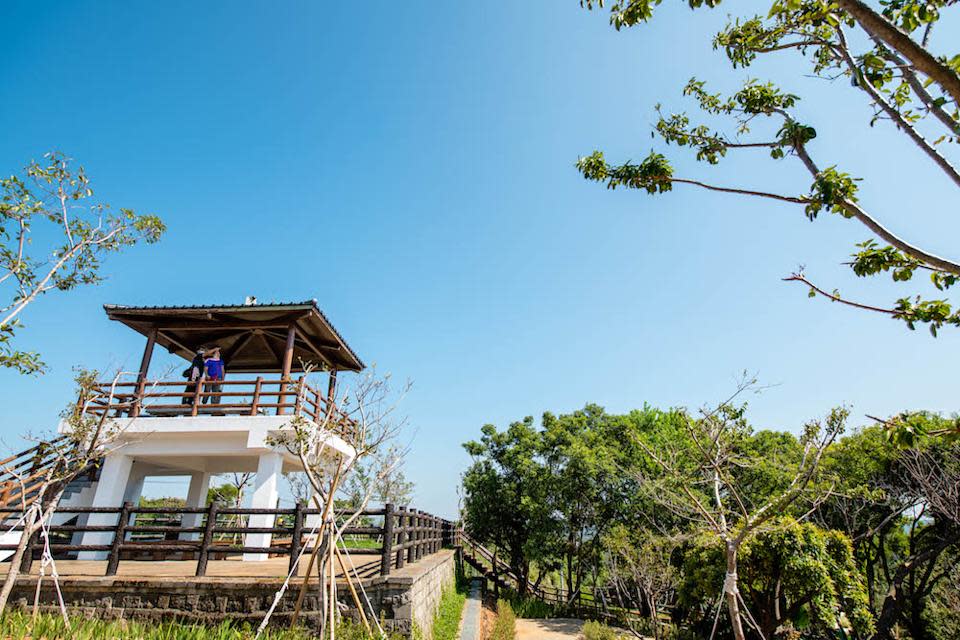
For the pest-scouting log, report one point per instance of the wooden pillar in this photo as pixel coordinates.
(142, 375)
(331, 396)
(386, 555)
(287, 366)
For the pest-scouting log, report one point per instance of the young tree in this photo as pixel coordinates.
(888, 55)
(638, 571)
(364, 418)
(86, 440)
(392, 487)
(702, 484)
(51, 238)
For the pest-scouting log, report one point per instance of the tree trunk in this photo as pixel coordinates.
(730, 592)
(878, 26)
(29, 528)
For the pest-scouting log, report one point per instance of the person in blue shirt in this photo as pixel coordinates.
(215, 373)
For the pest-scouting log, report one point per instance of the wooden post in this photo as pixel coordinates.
(287, 366)
(298, 403)
(418, 539)
(386, 557)
(331, 391)
(113, 560)
(195, 409)
(295, 540)
(256, 396)
(207, 540)
(403, 521)
(142, 375)
(412, 535)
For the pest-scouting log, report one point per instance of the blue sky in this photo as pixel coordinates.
(411, 166)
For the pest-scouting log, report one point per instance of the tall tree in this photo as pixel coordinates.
(52, 238)
(884, 52)
(507, 494)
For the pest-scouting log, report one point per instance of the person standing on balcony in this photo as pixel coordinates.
(194, 374)
(215, 374)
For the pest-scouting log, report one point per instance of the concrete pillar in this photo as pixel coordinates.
(265, 495)
(135, 484)
(196, 497)
(111, 489)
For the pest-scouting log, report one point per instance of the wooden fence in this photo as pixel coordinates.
(583, 603)
(259, 396)
(401, 535)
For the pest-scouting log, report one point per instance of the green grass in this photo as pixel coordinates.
(447, 621)
(361, 543)
(505, 626)
(529, 607)
(17, 625)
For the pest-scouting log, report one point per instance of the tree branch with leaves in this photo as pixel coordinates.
(53, 239)
(887, 55)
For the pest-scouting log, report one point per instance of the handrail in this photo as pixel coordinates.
(22, 488)
(284, 396)
(404, 535)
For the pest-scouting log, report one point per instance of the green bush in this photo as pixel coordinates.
(597, 631)
(504, 627)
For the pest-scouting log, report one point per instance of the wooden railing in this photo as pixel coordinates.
(156, 533)
(259, 396)
(582, 603)
(22, 474)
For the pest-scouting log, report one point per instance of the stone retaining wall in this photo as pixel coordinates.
(406, 598)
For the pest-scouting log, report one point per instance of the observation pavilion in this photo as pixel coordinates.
(170, 429)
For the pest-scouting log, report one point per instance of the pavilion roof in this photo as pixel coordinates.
(252, 337)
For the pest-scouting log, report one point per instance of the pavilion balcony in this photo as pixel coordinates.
(271, 395)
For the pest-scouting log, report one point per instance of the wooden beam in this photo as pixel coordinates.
(287, 365)
(312, 347)
(288, 350)
(174, 341)
(147, 355)
(240, 344)
(332, 387)
(214, 326)
(144, 368)
(276, 354)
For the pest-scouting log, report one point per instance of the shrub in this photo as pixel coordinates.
(597, 631)
(503, 628)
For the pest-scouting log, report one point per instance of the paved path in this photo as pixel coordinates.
(555, 629)
(470, 621)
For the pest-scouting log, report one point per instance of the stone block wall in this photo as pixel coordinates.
(406, 598)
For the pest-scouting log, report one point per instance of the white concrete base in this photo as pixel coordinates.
(265, 496)
(199, 446)
(111, 489)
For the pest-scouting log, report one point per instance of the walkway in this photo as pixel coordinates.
(470, 621)
(555, 629)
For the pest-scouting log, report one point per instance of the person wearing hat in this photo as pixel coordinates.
(194, 374)
(215, 373)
